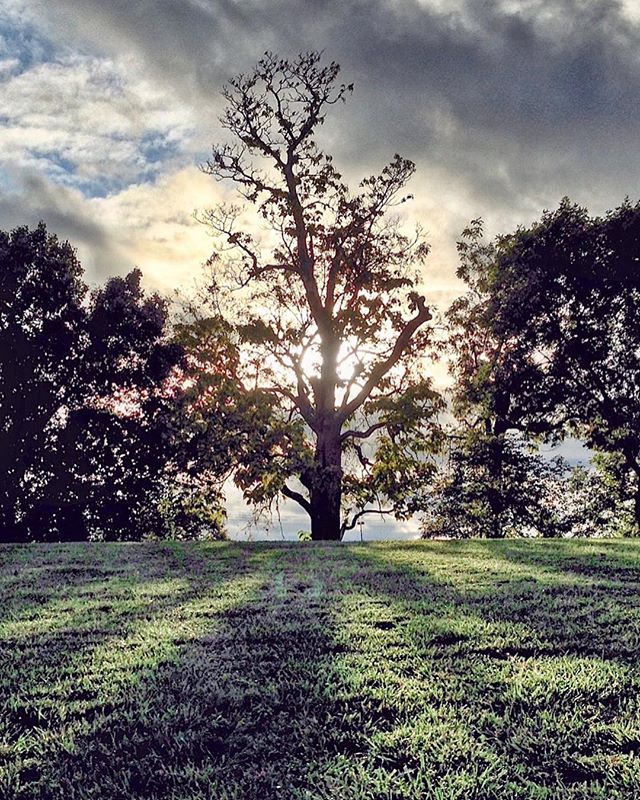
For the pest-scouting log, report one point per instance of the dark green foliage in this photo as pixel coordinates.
(455, 670)
(81, 445)
(191, 512)
(223, 427)
(547, 341)
(600, 501)
(496, 486)
(400, 466)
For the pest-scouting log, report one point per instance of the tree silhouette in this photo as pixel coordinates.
(331, 321)
(493, 486)
(67, 359)
(557, 306)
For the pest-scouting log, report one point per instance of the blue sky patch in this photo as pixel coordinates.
(24, 42)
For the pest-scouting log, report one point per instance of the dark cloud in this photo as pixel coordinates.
(521, 102)
(65, 213)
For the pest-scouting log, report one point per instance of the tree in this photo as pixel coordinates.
(327, 307)
(482, 487)
(493, 486)
(599, 500)
(70, 362)
(559, 305)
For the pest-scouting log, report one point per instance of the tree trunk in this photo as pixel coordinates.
(325, 491)
(634, 465)
(636, 506)
(495, 491)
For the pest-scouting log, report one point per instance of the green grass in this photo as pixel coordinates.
(425, 670)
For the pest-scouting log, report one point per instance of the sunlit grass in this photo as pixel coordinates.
(444, 670)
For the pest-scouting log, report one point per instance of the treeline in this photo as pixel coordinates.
(304, 369)
(94, 408)
(118, 423)
(546, 344)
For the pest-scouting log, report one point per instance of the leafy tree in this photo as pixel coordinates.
(191, 511)
(482, 486)
(472, 497)
(331, 323)
(554, 312)
(599, 501)
(70, 363)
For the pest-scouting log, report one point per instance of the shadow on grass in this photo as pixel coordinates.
(542, 661)
(311, 672)
(609, 561)
(241, 710)
(86, 622)
(564, 602)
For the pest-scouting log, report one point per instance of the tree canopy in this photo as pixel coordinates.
(549, 335)
(326, 303)
(70, 360)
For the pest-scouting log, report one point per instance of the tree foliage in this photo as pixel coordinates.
(326, 304)
(82, 446)
(497, 486)
(549, 335)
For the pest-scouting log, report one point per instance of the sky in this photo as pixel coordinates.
(506, 106)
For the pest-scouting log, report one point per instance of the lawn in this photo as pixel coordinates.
(416, 670)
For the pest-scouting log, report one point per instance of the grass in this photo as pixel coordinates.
(424, 670)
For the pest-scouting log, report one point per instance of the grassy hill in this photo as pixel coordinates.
(414, 670)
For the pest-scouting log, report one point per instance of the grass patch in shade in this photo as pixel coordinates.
(443, 670)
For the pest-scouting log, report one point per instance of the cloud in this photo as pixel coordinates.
(33, 198)
(82, 121)
(516, 102)
(505, 105)
(150, 225)
(155, 226)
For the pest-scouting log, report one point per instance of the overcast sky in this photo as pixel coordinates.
(108, 106)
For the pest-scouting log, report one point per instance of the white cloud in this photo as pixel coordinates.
(148, 225)
(154, 225)
(8, 65)
(87, 121)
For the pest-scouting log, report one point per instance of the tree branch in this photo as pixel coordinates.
(354, 520)
(299, 498)
(381, 369)
(363, 434)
